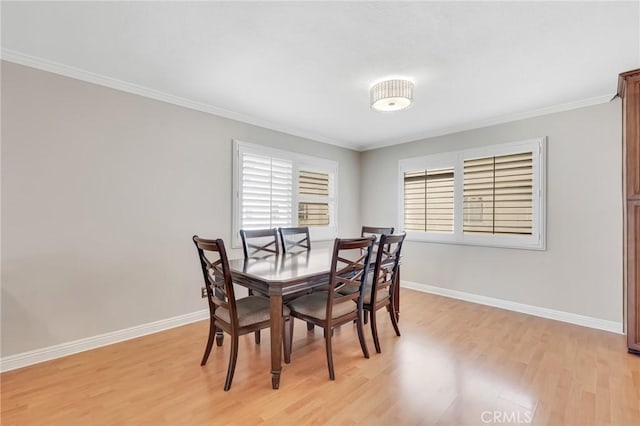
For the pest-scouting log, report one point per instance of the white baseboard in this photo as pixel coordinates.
(52, 352)
(24, 359)
(600, 324)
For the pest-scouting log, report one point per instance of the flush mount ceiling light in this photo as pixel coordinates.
(391, 95)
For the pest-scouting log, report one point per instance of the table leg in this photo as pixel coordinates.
(276, 340)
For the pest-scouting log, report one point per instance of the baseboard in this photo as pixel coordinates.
(600, 324)
(24, 359)
(57, 351)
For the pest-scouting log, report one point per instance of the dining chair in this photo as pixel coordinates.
(259, 243)
(234, 316)
(378, 231)
(295, 240)
(379, 288)
(330, 309)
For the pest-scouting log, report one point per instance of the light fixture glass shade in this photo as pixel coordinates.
(392, 95)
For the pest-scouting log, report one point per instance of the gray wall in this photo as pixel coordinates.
(581, 270)
(101, 193)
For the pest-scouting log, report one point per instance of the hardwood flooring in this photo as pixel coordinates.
(457, 363)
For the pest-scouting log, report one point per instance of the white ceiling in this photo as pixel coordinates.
(306, 67)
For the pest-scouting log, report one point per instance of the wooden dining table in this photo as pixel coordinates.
(282, 276)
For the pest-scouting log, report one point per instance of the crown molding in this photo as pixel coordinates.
(124, 86)
(507, 118)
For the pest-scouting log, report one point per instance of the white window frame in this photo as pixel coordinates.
(300, 162)
(455, 159)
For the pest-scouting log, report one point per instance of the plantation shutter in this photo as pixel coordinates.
(498, 195)
(266, 192)
(428, 200)
(313, 189)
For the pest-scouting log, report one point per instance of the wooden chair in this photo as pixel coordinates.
(259, 243)
(236, 317)
(330, 309)
(256, 244)
(295, 240)
(379, 289)
(378, 232)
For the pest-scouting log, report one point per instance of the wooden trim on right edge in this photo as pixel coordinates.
(629, 91)
(633, 276)
(632, 136)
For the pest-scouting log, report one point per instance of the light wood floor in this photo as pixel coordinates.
(456, 363)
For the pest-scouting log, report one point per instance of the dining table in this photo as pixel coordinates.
(281, 277)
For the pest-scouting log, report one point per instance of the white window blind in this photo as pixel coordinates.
(428, 200)
(267, 192)
(498, 197)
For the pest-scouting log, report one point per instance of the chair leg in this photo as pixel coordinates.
(219, 337)
(212, 335)
(365, 316)
(327, 340)
(363, 343)
(257, 332)
(394, 319)
(287, 339)
(374, 331)
(310, 326)
(232, 362)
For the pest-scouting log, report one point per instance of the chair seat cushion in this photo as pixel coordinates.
(350, 289)
(251, 310)
(380, 295)
(315, 305)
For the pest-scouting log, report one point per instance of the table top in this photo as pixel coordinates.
(285, 268)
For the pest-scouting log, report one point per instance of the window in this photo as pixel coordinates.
(490, 196)
(498, 195)
(428, 204)
(274, 188)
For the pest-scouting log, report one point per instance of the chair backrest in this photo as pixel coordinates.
(378, 232)
(259, 242)
(217, 277)
(386, 266)
(349, 268)
(295, 239)
(375, 230)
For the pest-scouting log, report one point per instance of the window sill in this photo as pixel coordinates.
(518, 243)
